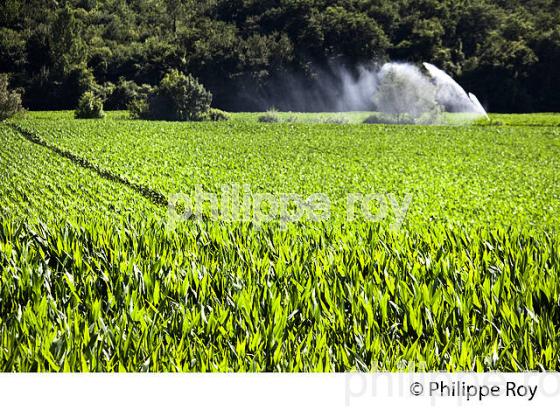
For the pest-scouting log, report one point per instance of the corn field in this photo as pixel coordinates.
(92, 280)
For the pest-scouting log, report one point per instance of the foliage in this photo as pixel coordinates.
(138, 108)
(125, 92)
(10, 101)
(42, 185)
(451, 158)
(178, 97)
(89, 106)
(79, 81)
(269, 116)
(215, 114)
(91, 280)
(505, 52)
(329, 316)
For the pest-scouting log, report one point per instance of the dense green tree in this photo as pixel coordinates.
(178, 97)
(67, 45)
(507, 52)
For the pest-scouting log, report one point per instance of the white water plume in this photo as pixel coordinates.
(451, 95)
(357, 90)
(479, 108)
(406, 94)
(403, 90)
(412, 96)
(400, 92)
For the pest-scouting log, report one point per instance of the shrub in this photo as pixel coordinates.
(89, 106)
(269, 116)
(104, 91)
(10, 101)
(124, 92)
(215, 114)
(178, 97)
(138, 108)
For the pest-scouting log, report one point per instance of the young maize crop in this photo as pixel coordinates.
(92, 279)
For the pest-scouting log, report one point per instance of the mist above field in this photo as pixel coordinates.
(334, 88)
(392, 88)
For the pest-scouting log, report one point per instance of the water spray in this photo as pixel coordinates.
(451, 95)
(400, 90)
(478, 105)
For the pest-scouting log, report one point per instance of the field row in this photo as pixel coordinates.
(40, 185)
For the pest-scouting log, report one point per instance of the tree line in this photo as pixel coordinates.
(505, 51)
